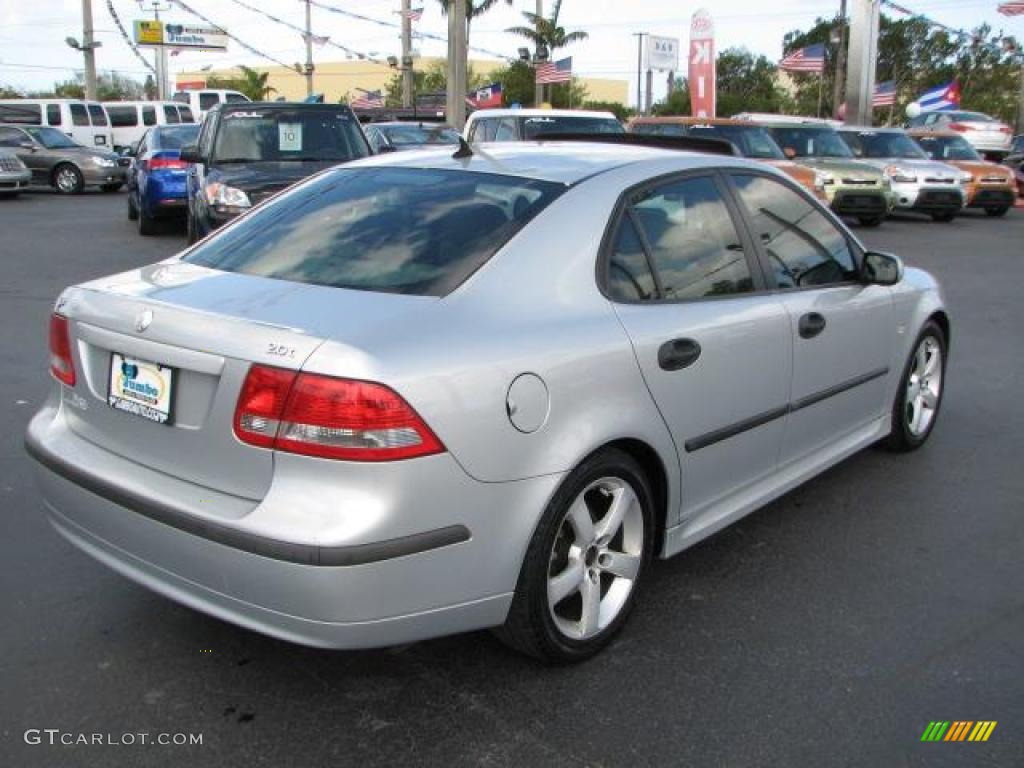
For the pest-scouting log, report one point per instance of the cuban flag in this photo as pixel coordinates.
(943, 97)
(487, 97)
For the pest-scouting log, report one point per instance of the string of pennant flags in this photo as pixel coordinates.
(189, 9)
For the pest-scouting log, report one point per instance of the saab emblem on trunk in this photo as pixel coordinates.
(143, 319)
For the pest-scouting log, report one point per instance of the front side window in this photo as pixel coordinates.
(149, 115)
(98, 115)
(51, 138)
(281, 135)
(208, 101)
(79, 116)
(395, 230)
(803, 246)
(234, 98)
(171, 114)
(687, 234)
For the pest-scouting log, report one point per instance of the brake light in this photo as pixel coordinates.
(166, 163)
(61, 365)
(329, 417)
(1005, 129)
(959, 127)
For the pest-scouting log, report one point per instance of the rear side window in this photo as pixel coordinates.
(629, 273)
(395, 230)
(98, 115)
(171, 114)
(149, 115)
(234, 98)
(803, 247)
(53, 114)
(23, 114)
(208, 101)
(123, 116)
(186, 114)
(78, 115)
(690, 240)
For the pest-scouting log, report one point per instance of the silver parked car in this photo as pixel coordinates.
(14, 176)
(59, 161)
(425, 393)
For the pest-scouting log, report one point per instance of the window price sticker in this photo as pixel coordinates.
(289, 137)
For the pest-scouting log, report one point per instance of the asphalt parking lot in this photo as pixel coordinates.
(827, 629)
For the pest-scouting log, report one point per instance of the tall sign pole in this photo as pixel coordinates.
(406, 53)
(456, 107)
(309, 52)
(538, 89)
(639, 71)
(837, 86)
(860, 75)
(701, 59)
(88, 51)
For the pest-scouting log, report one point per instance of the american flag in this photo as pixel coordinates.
(1011, 9)
(413, 14)
(555, 72)
(809, 59)
(367, 100)
(885, 94)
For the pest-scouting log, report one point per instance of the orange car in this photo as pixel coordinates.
(750, 139)
(992, 186)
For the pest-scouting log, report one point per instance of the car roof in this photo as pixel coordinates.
(539, 113)
(684, 120)
(565, 162)
(871, 128)
(289, 105)
(417, 123)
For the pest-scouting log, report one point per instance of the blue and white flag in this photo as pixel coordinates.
(943, 97)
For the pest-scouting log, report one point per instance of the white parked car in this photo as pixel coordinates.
(202, 100)
(527, 124)
(129, 120)
(983, 132)
(84, 121)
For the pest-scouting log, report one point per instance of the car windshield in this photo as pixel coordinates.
(811, 142)
(276, 135)
(414, 135)
(883, 144)
(50, 138)
(948, 148)
(751, 140)
(175, 137)
(396, 230)
(535, 126)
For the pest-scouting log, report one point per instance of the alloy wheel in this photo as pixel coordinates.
(67, 179)
(924, 387)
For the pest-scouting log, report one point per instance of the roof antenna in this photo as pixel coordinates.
(463, 151)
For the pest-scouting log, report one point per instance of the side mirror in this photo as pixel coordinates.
(882, 268)
(131, 150)
(789, 152)
(190, 154)
(28, 145)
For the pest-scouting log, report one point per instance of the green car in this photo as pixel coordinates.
(854, 189)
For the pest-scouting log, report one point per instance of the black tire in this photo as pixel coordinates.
(943, 217)
(901, 438)
(74, 183)
(147, 224)
(996, 212)
(529, 627)
(111, 187)
(133, 210)
(870, 221)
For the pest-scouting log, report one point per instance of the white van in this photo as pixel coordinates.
(84, 121)
(202, 100)
(129, 120)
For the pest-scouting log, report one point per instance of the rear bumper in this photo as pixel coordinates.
(437, 556)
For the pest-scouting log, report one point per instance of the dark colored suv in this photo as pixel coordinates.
(249, 151)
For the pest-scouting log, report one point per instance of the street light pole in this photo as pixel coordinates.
(860, 75)
(309, 52)
(538, 89)
(639, 69)
(88, 51)
(837, 88)
(406, 54)
(456, 107)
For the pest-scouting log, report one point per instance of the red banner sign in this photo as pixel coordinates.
(702, 65)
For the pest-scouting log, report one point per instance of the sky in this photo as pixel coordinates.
(33, 53)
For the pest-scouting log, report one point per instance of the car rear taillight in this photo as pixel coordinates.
(329, 417)
(1005, 129)
(167, 164)
(61, 364)
(959, 127)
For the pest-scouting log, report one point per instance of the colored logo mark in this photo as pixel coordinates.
(958, 730)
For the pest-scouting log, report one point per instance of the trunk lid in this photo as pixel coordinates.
(209, 327)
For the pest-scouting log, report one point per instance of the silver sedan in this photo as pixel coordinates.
(428, 393)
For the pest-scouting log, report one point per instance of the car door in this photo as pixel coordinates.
(35, 159)
(197, 171)
(843, 330)
(714, 347)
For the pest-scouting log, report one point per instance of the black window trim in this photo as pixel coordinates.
(623, 207)
(772, 287)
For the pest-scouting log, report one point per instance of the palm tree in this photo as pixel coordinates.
(546, 35)
(254, 84)
(474, 8)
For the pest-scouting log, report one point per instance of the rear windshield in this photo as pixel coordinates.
(274, 135)
(395, 230)
(535, 126)
(175, 136)
(415, 135)
(811, 142)
(751, 140)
